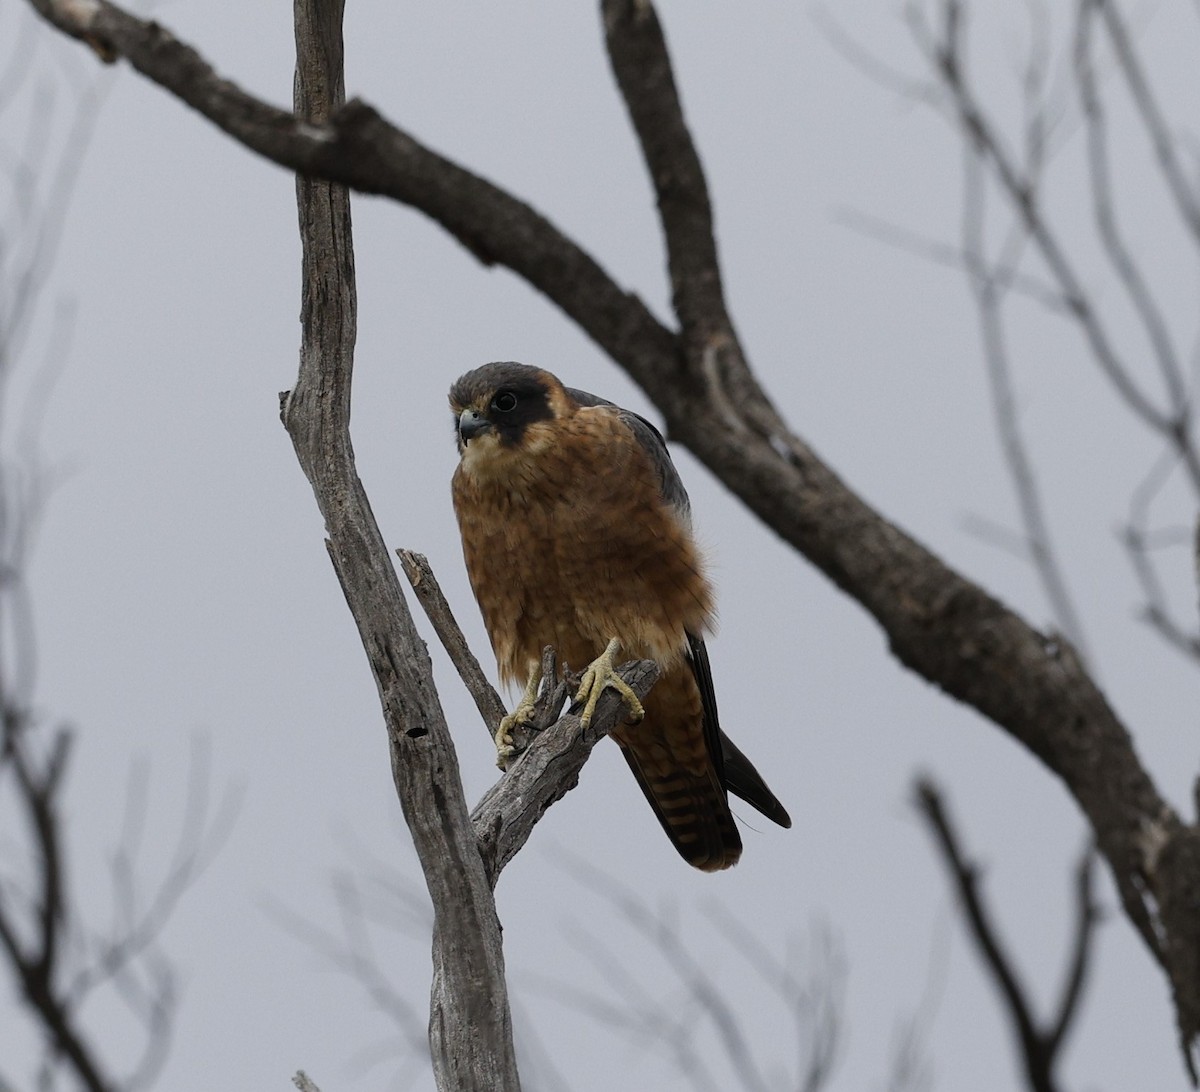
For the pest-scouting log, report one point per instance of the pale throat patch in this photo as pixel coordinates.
(487, 459)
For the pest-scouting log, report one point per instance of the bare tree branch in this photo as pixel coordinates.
(1104, 210)
(470, 1023)
(945, 54)
(352, 953)
(697, 1009)
(36, 965)
(1182, 189)
(1087, 916)
(912, 1069)
(59, 959)
(950, 256)
(552, 749)
(987, 285)
(1138, 542)
(302, 1081)
(815, 1000)
(48, 945)
(546, 771)
(433, 602)
(1040, 1045)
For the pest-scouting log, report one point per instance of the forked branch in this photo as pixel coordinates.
(1040, 1044)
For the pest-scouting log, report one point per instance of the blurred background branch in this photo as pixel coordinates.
(1039, 1043)
(60, 959)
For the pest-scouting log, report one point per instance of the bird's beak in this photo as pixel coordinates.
(471, 424)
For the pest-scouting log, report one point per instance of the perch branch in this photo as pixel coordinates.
(546, 771)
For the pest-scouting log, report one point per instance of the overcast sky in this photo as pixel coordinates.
(184, 597)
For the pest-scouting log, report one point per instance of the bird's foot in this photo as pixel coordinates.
(522, 715)
(600, 675)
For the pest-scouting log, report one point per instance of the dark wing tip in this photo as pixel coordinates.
(737, 772)
(744, 781)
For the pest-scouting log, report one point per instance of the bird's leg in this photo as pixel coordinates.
(523, 714)
(600, 675)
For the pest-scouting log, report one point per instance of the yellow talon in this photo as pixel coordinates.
(600, 675)
(523, 714)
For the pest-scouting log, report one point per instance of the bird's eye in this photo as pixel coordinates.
(504, 402)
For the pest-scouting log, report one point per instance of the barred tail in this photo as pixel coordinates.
(678, 761)
(692, 808)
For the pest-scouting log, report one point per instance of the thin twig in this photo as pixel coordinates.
(437, 610)
(949, 256)
(814, 1001)
(1087, 916)
(553, 692)
(687, 968)
(945, 54)
(1155, 123)
(1104, 210)
(1136, 538)
(987, 290)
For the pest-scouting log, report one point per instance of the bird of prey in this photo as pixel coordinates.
(577, 533)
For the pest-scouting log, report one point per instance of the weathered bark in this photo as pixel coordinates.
(543, 774)
(470, 1024)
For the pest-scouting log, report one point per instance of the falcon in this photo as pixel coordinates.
(577, 533)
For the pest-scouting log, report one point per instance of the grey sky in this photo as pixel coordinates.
(183, 591)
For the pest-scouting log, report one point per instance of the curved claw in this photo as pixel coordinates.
(601, 675)
(523, 714)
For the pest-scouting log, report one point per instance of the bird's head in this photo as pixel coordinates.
(497, 409)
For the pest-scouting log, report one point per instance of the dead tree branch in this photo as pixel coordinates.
(1040, 1044)
(989, 281)
(470, 1023)
(60, 960)
(1140, 542)
(1108, 229)
(1166, 150)
(945, 53)
(552, 751)
(545, 772)
(429, 594)
(36, 963)
(1020, 186)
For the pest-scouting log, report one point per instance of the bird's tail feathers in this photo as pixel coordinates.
(691, 808)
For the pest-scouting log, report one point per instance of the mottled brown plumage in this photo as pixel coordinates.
(576, 531)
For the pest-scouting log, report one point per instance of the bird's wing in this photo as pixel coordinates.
(654, 445)
(733, 768)
(737, 772)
